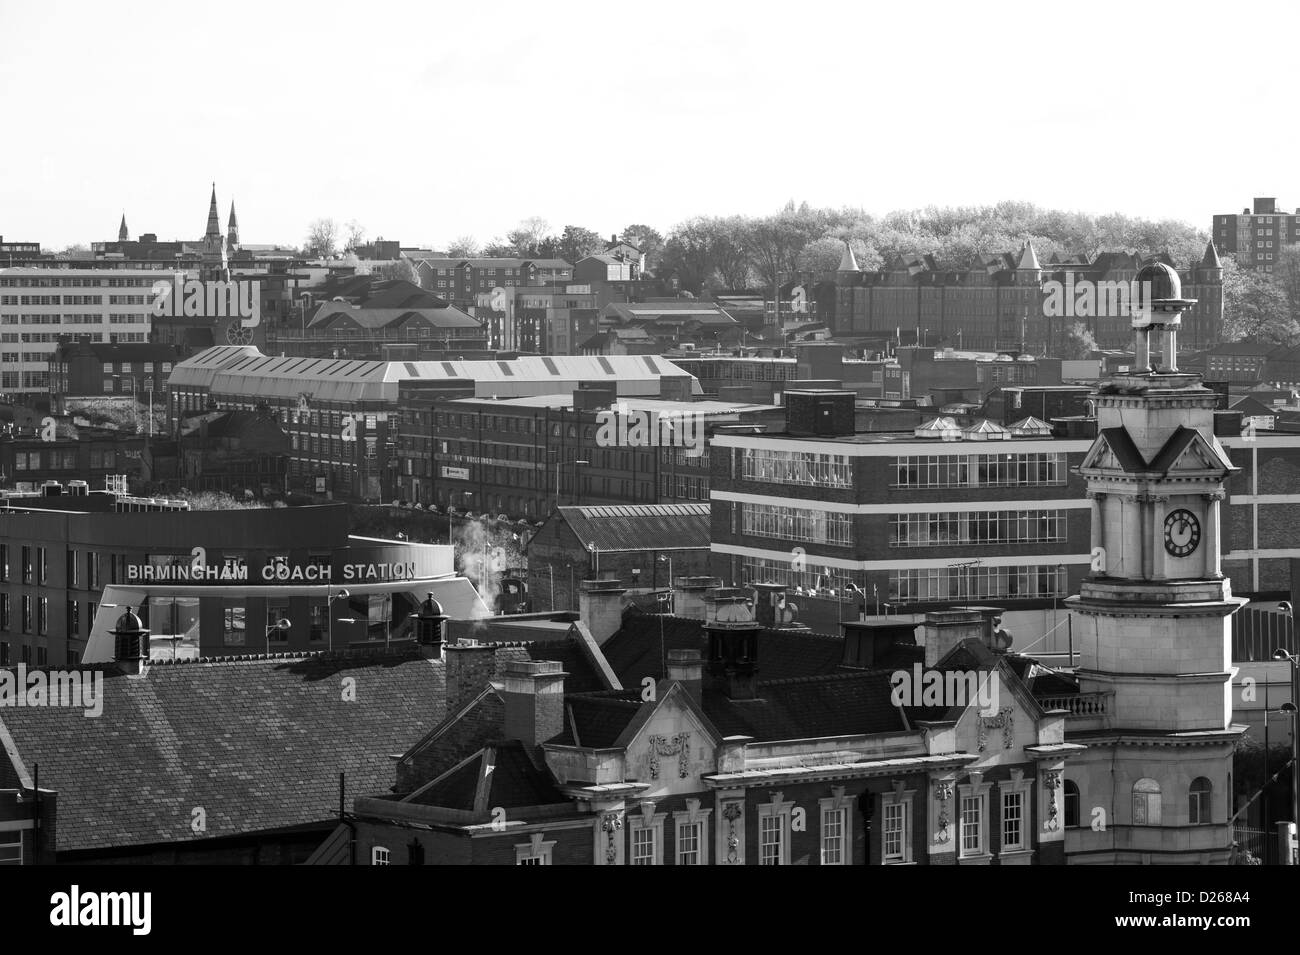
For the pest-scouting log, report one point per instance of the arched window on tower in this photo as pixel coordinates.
(1146, 803)
(1198, 801)
(1071, 803)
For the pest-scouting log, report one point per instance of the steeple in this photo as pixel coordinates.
(214, 222)
(1211, 258)
(232, 232)
(122, 234)
(849, 261)
(1028, 259)
(214, 243)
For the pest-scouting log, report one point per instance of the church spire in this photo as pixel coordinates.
(848, 261)
(232, 231)
(1028, 258)
(214, 222)
(122, 234)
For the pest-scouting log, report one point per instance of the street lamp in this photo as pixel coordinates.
(281, 625)
(342, 594)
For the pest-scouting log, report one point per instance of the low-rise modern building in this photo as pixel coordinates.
(204, 582)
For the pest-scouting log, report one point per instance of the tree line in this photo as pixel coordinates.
(709, 253)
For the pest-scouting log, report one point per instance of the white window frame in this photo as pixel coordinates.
(646, 819)
(536, 851)
(979, 790)
(781, 810)
(901, 798)
(1016, 786)
(694, 816)
(379, 855)
(838, 806)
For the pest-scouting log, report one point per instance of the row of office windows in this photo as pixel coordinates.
(77, 282)
(980, 470)
(968, 582)
(803, 524)
(808, 468)
(976, 527)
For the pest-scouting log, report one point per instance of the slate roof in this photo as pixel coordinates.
(512, 781)
(1179, 442)
(258, 743)
(599, 719)
(836, 704)
(1125, 451)
(336, 313)
(640, 527)
(582, 676)
(846, 703)
(634, 651)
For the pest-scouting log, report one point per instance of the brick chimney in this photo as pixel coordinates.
(470, 667)
(600, 607)
(687, 668)
(534, 701)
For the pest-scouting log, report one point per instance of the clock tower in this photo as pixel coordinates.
(1152, 620)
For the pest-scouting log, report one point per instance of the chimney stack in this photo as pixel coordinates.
(470, 667)
(691, 594)
(687, 668)
(733, 644)
(944, 629)
(534, 701)
(600, 607)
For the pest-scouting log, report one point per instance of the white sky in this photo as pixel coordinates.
(428, 120)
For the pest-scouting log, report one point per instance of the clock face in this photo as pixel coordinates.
(1182, 532)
